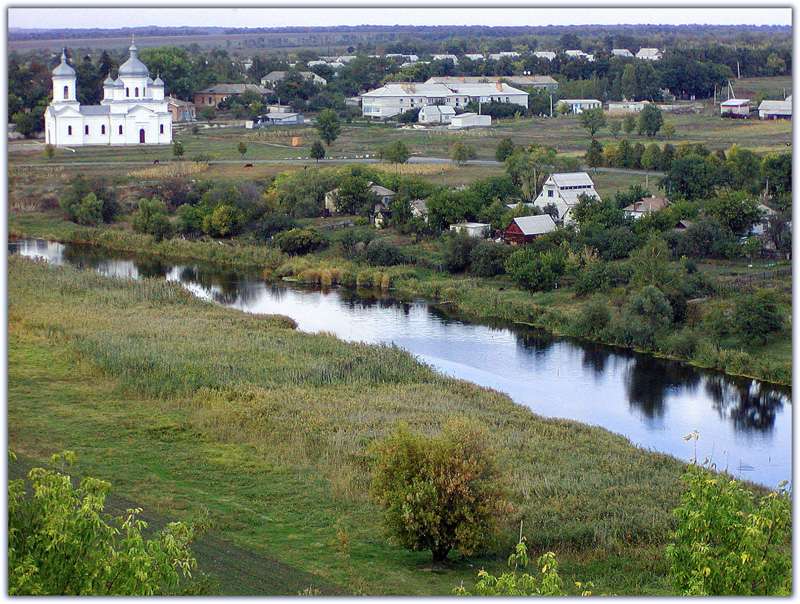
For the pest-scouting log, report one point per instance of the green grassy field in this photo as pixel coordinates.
(186, 406)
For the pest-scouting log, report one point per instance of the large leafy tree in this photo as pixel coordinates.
(61, 543)
(439, 493)
(650, 120)
(593, 120)
(528, 169)
(328, 126)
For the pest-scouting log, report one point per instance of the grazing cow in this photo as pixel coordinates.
(248, 165)
(155, 162)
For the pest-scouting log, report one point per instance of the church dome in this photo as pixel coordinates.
(133, 66)
(109, 81)
(63, 68)
(158, 81)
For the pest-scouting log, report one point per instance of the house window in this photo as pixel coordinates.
(69, 130)
(86, 130)
(550, 193)
(144, 89)
(136, 91)
(209, 100)
(127, 91)
(162, 128)
(120, 129)
(66, 92)
(102, 129)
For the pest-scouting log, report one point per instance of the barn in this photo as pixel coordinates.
(527, 228)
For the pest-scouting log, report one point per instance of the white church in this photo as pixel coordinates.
(133, 110)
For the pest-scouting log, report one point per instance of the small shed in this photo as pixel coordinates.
(436, 114)
(525, 229)
(281, 119)
(578, 106)
(479, 230)
(735, 108)
(470, 120)
(776, 110)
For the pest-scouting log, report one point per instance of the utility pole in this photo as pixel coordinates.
(738, 73)
(551, 104)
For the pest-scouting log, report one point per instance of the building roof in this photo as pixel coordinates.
(621, 52)
(777, 106)
(440, 109)
(420, 205)
(95, 109)
(645, 53)
(485, 88)
(232, 89)
(280, 115)
(394, 89)
(571, 179)
(63, 68)
(519, 80)
(158, 81)
(735, 103)
(648, 204)
(379, 190)
(471, 225)
(576, 101)
(178, 102)
(133, 66)
(279, 75)
(535, 225)
(545, 54)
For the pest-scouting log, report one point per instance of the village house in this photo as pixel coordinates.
(562, 190)
(133, 110)
(478, 230)
(496, 56)
(419, 209)
(273, 77)
(525, 229)
(645, 206)
(578, 106)
(474, 57)
(445, 57)
(214, 95)
(739, 108)
(547, 55)
(649, 54)
(436, 114)
(776, 110)
(397, 97)
(579, 54)
(624, 107)
(182, 111)
(469, 120)
(528, 81)
(280, 118)
(621, 52)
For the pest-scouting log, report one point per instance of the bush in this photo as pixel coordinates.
(440, 493)
(756, 316)
(706, 238)
(76, 193)
(271, 224)
(457, 251)
(60, 542)
(223, 221)
(189, 220)
(536, 271)
(381, 252)
(504, 148)
(300, 241)
(601, 276)
(89, 211)
(647, 314)
(594, 318)
(726, 542)
(681, 343)
(151, 218)
(488, 259)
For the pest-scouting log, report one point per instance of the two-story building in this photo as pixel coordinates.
(563, 191)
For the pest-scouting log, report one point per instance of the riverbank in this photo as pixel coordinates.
(267, 429)
(556, 312)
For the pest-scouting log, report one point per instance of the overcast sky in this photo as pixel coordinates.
(283, 17)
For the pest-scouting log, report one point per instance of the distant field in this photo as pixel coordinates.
(772, 87)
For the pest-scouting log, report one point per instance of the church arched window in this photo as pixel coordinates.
(102, 128)
(127, 91)
(66, 92)
(86, 130)
(69, 130)
(120, 129)
(136, 91)
(162, 128)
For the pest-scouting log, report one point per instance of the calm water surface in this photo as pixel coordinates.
(744, 425)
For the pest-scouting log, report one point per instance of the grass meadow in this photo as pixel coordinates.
(187, 406)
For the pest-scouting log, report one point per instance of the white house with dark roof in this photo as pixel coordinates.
(133, 110)
(396, 97)
(563, 190)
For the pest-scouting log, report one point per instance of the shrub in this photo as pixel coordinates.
(601, 276)
(439, 493)
(488, 259)
(271, 224)
(594, 318)
(300, 241)
(89, 211)
(76, 193)
(681, 343)
(757, 315)
(457, 250)
(60, 542)
(728, 543)
(647, 313)
(534, 270)
(223, 221)
(380, 252)
(151, 218)
(504, 148)
(189, 220)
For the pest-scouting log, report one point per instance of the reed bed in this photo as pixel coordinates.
(170, 170)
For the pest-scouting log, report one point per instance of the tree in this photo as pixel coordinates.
(461, 153)
(300, 241)
(504, 148)
(89, 211)
(439, 493)
(535, 270)
(151, 218)
(647, 313)
(317, 151)
(668, 130)
(328, 126)
(757, 316)
(727, 542)
(208, 113)
(223, 221)
(60, 541)
(242, 148)
(650, 120)
(177, 149)
(457, 251)
(354, 195)
(776, 170)
(628, 82)
(27, 123)
(690, 176)
(614, 126)
(734, 209)
(528, 169)
(488, 258)
(629, 124)
(49, 151)
(594, 154)
(395, 153)
(651, 158)
(593, 120)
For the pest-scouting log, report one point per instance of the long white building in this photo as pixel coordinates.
(396, 97)
(133, 110)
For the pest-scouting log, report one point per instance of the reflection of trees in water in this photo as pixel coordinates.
(649, 380)
(224, 286)
(151, 267)
(750, 405)
(536, 342)
(595, 358)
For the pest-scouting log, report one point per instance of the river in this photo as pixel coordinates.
(745, 426)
